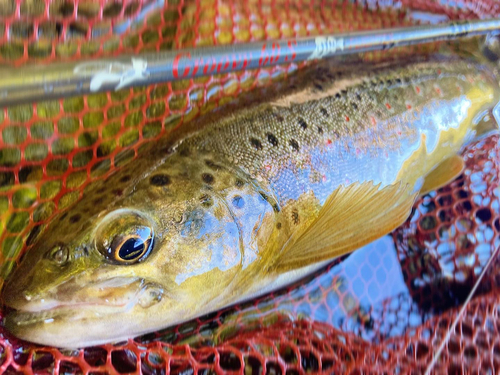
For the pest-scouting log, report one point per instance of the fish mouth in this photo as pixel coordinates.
(92, 316)
(96, 300)
(20, 318)
(74, 312)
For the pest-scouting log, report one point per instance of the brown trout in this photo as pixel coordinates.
(249, 200)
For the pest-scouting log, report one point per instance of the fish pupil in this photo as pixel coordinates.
(131, 248)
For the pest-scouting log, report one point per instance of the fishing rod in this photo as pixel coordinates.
(33, 82)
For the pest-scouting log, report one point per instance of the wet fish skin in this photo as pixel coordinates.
(218, 212)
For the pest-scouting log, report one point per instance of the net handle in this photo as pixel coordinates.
(34, 82)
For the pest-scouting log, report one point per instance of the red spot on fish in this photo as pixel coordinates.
(268, 167)
(328, 141)
(408, 106)
(399, 132)
(323, 178)
(438, 90)
(347, 118)
(388, 105)
(372, 119)
(417, 89)
(358, 151)
(439, 71)
(386, 155)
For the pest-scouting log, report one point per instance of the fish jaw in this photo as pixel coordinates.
(107, 306)
(71, 329)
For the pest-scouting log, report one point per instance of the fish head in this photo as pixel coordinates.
(99, 276)
(130, 266)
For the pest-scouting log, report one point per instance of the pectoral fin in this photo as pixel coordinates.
(350, 218)
(443, 174)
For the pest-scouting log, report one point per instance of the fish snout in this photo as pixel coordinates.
(17, 292)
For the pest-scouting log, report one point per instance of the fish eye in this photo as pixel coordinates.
(131, 248)
(125, 237)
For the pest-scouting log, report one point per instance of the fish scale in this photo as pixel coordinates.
(247, 200)
(346, 133)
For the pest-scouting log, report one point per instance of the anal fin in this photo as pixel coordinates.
(443, 174)
(351, 217)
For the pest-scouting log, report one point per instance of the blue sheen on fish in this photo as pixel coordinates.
(249, 199)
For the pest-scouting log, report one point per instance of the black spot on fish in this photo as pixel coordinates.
(63, 216)
(354, 105)
(320, 75)
(256, 143)
(75, 218)
(207, 178)
(389, 82)
(160, 180)
(337, 95)
(343, 92)
(279, 118)
(294, 144)
(295, 216)
(184, 152)
(320, 130)
(358, 96)
(238, 201)
(239, 183)
(324, 112)
(210, 164)
(278, 226)
(117, 192)
(302, 123)
(98, 201)
(126, 178)
(206, 200)
(398, 80)
(318, 86)
(272, 139)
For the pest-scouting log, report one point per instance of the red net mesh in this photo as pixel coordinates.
(361, 314)
(50, 151)
(45, 30)
(376, 311)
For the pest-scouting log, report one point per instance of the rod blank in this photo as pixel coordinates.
(34, 82)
